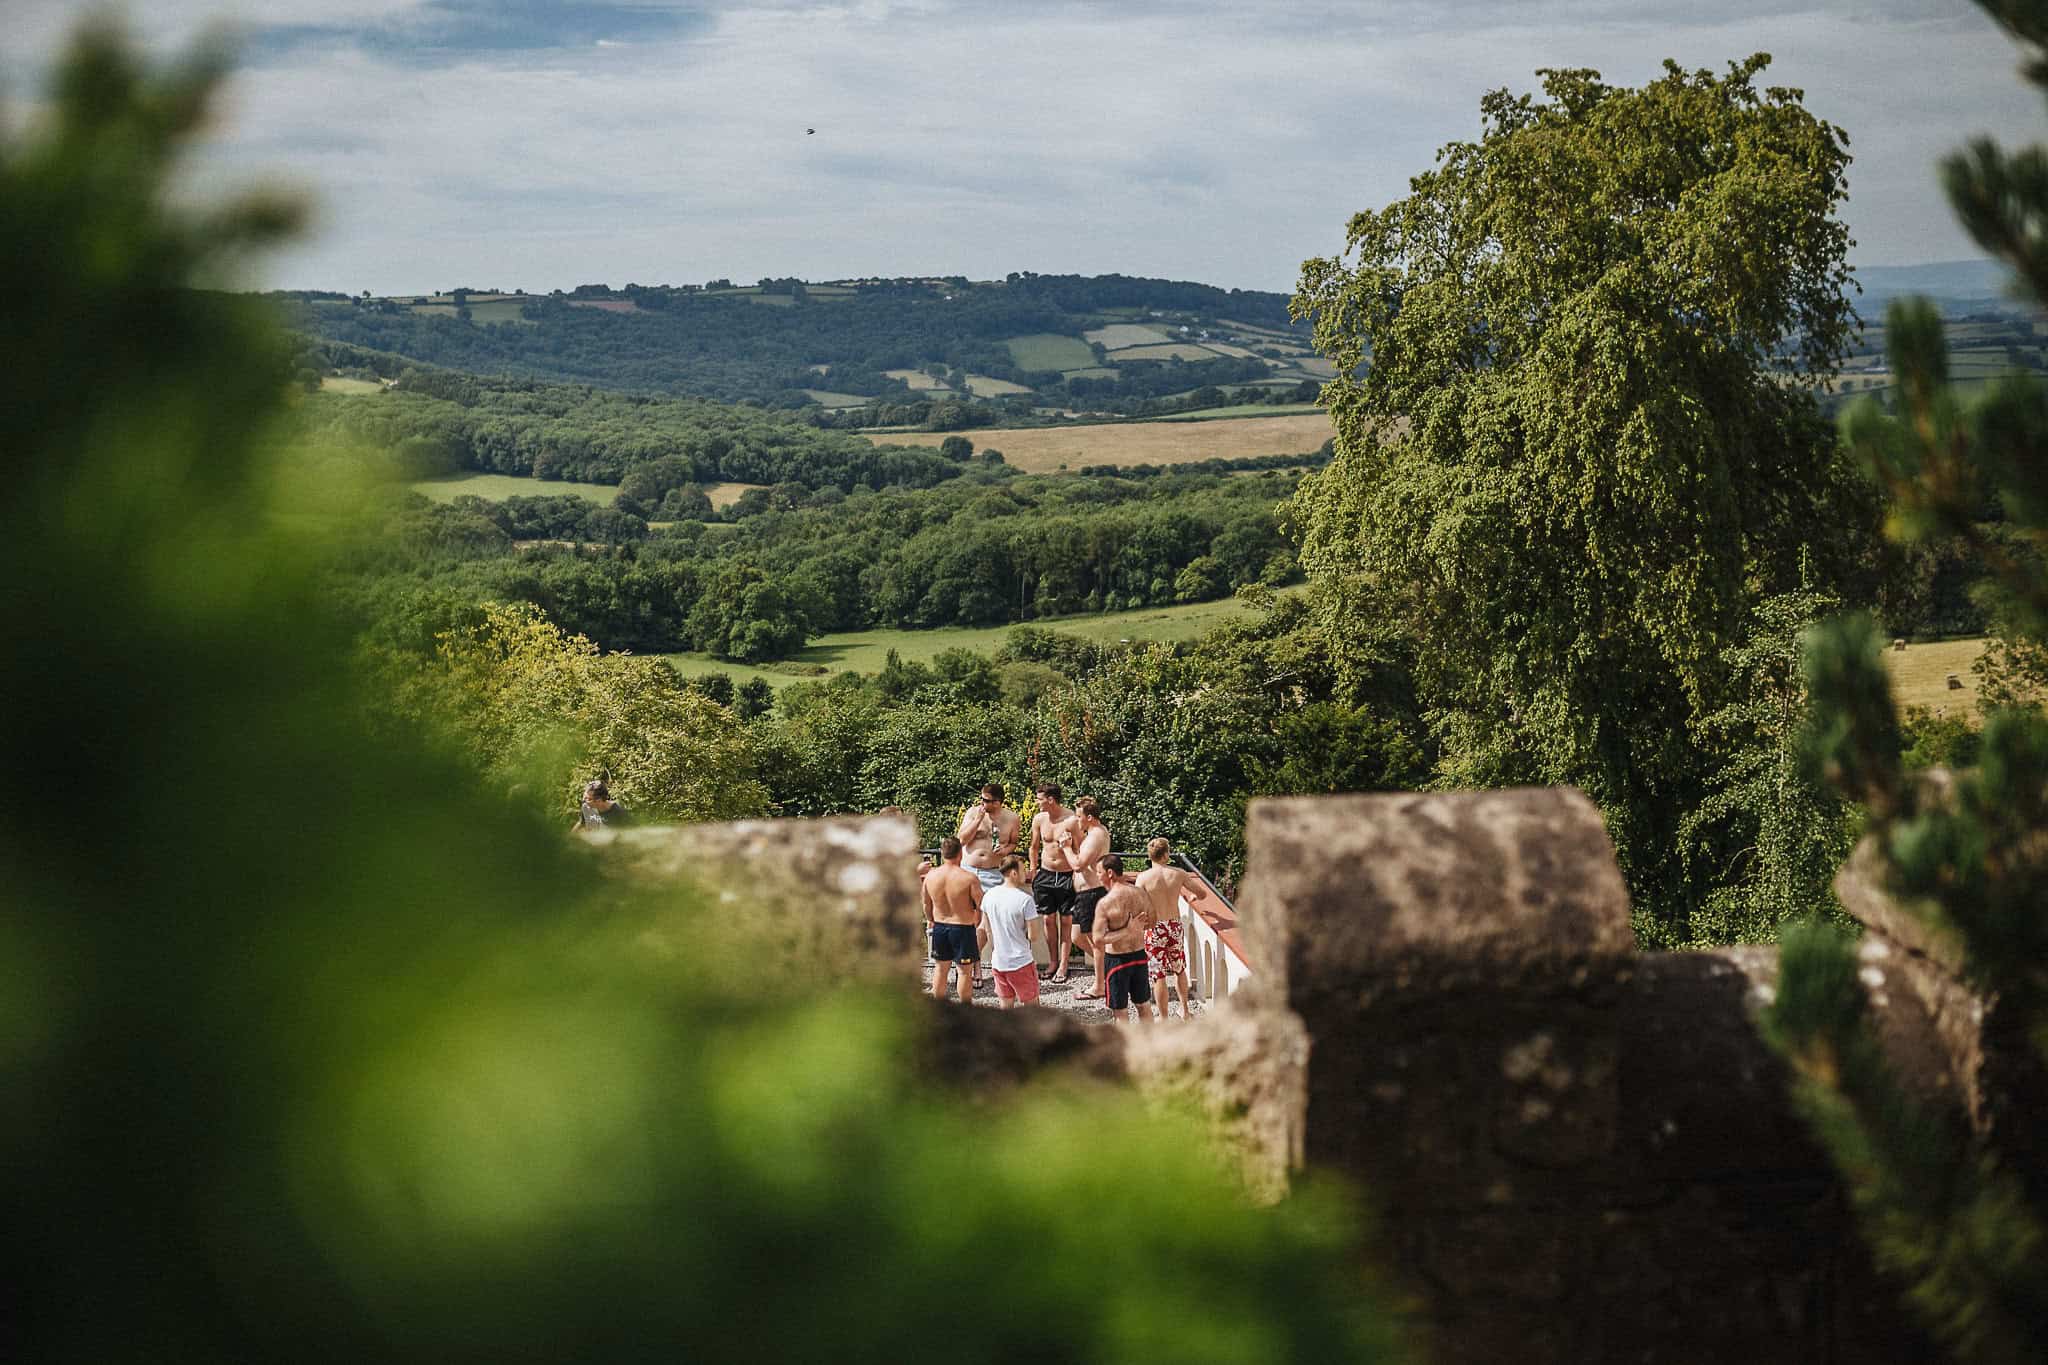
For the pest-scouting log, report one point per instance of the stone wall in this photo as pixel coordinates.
(1579, 1153)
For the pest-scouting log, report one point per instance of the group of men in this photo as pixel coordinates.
(1064, 888)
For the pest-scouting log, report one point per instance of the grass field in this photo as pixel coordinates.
(1047, 351)
(918, 380)
(336, 384)
(1125, 334)
(865, 651)
(724, 495)
(1225, 348)
(984, 386)
(1179, 350)
(1044, 450)
(497, 310)
(1091, 372)
(498, 487)
(1920, 675)
(836, 400)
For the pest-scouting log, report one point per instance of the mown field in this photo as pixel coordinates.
(1046, 450)
(1119, 334)
(498, 487)
(1172, 350)
(1920, 675)
(336, 384)
(865, 651)
(1048, 351)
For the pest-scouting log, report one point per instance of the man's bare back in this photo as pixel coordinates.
(1164, 886)
(1123, 918)
(954, 893)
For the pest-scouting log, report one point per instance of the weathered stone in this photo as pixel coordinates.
(1703, 1097)
(1244, 1064)
(1556, 1104)
(986, 1051)
(833, 899)
(1981, 1059)
(1861, 889)
(1356, 897)
(1579, 1154)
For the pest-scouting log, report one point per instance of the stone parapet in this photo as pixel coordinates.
(1579, 1153)
(1985, 1063)
(833, 899)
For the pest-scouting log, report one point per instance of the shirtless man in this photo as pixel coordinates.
(1120, 924)
(1165, 958)
(1054, 834)
(954, 895)
(988, 834)
(1089, 888)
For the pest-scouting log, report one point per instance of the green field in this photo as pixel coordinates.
(837, 400)
(984, 387)
(1046, 351)
(865, 651)
(1176, 350)
(919, 381)
(1126, 334)
(497, 310)
(336, 384)
(498, 487)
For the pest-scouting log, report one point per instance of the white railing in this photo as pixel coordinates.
(1214, 968)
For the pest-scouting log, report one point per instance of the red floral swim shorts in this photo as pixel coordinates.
(1163, 955)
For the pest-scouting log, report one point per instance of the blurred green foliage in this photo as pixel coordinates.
(1960, 1217)
(313, 1050)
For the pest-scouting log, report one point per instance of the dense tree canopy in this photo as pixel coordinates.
(1586, 443)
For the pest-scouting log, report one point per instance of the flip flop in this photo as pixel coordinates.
(1058, 978)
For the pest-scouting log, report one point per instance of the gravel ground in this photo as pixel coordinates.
(1060, 995)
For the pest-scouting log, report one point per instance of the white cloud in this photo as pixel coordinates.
(1215, 142)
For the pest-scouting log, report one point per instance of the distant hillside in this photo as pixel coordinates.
(1949, 282)
(918, 352)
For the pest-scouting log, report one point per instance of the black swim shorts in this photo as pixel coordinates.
(1124, 979)
(1054, 892)
(955, 943)
(1084, 908)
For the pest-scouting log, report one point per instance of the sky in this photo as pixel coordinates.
(543, 144)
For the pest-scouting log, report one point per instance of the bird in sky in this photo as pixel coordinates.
(809, 131)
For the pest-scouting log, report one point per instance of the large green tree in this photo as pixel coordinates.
(1585, 442)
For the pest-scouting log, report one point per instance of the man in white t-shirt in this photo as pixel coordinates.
(1012, 919)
